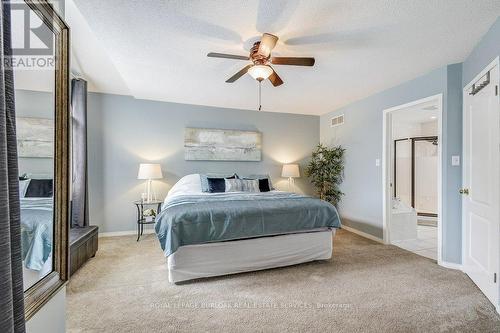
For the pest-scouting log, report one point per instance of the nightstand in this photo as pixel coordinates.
(141, 219)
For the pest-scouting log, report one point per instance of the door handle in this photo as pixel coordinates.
(464, 191)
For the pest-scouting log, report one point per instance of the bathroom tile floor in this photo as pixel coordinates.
(425, 244)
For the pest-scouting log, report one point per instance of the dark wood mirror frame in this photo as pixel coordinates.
(37, 295)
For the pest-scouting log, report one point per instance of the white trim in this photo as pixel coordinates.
(124, 233)
(363, 234)
(386, 160)
(451, 265)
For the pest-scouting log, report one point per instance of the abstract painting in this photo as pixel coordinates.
(204, 144)
(35, 137)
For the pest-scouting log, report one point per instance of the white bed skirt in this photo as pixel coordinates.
(222, 258)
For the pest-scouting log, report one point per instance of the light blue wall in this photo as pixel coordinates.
(361, 135)
(123, 132)
(452, 175)
(483, 54)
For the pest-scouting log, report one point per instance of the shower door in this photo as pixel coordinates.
(425, 174)
(402, 171)
(415, 173)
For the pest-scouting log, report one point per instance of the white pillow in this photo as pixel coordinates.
(189, 184)
(242, 185)
(23, 186)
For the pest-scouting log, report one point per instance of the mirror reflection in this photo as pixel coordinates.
(34, 78)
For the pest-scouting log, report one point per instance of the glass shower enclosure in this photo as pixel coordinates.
(415, 173)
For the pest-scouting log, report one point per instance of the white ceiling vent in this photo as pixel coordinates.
(337, 121)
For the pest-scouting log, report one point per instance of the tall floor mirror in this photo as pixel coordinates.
(40, 65)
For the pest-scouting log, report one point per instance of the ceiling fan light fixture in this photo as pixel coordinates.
(260, 72)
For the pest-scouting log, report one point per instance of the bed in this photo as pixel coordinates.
(211, 234)
(36, 237)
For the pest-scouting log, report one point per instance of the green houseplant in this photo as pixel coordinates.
(326, 171)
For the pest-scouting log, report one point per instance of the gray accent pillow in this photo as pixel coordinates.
(204, 179)
(242, 185)
(23, 186)
(262, 176)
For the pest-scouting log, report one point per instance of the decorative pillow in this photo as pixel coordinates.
(264, 185)
(39, 188)
(242, 185)
(261, 177)
(23, 186)
(204, 179)
(216, 185)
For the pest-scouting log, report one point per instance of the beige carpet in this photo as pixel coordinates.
(366, 287)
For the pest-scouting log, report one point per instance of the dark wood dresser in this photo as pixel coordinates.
(83, 246)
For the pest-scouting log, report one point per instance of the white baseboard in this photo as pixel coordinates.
(451, 265)
(124, 233)
(363, 234)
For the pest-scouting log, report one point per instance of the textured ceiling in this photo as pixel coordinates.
(157, 49)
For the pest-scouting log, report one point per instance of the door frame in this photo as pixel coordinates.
(387, 155)
(490, 66)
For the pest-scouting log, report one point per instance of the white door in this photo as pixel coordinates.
(481, 184)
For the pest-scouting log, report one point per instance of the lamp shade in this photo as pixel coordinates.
(290, 171)
(260, 72)
(149, 171)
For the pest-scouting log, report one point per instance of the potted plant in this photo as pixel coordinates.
(326, 171)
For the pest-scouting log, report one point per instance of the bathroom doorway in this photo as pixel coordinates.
(412, 176)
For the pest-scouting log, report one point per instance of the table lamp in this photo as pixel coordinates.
(290, 171)
(149, 171)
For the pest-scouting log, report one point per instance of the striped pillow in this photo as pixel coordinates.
(266, 176)
(204, 179)
(242, 185)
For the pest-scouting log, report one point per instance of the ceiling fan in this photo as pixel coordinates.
(260, 55)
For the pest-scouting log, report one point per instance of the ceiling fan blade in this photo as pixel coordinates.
(227, 56)
(236, 76)
(275, 79)
(292, 61)
(267, 43)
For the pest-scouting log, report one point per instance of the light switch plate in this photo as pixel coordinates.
(377, 162)
(455, 160)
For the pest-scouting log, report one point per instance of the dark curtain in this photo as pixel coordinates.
(11, 271)
(79, 206)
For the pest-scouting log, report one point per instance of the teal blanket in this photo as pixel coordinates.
(36, 231)
(198, 219)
